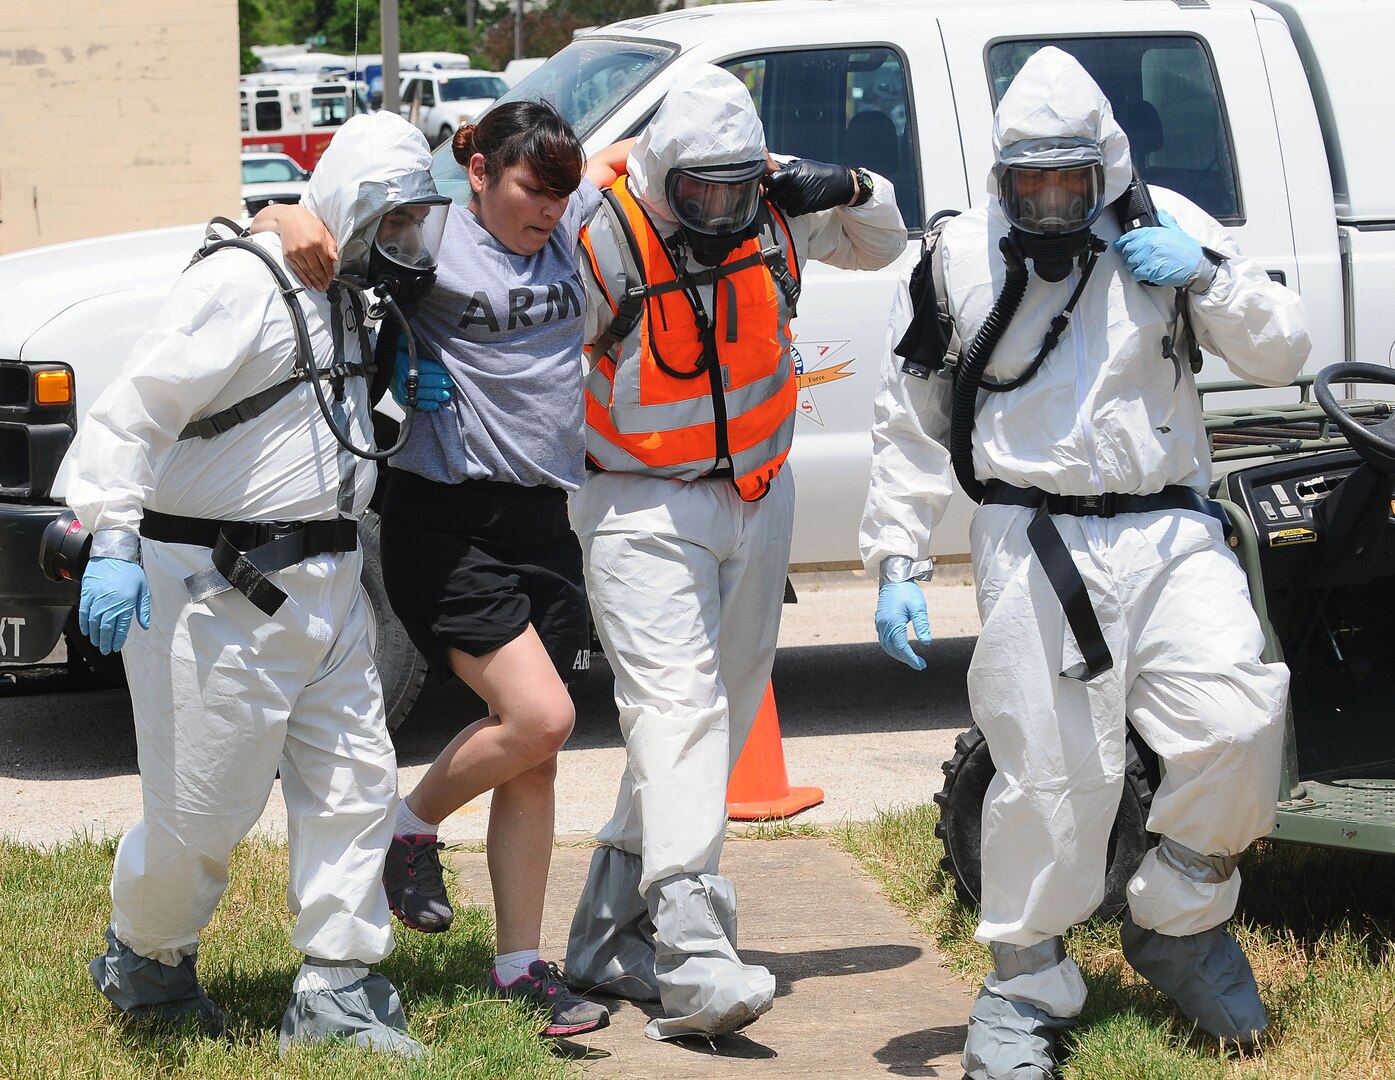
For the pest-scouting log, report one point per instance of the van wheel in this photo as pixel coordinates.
(447, 133)
(401, 668)
(967, 775)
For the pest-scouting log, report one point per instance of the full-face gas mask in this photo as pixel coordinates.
(716, 206)
(402, 257)
(1051, 191)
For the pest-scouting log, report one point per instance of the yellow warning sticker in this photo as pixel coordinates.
(1284, 537)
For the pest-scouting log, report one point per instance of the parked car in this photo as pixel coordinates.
(439, 101)
(271, 178)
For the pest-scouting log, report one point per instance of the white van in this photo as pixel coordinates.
(440, 100)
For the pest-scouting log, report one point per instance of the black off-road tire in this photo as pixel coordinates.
(960, 828)
(401, 668)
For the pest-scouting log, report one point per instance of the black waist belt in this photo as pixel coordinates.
(245, 552)
(1060, 568)
(1172, 497)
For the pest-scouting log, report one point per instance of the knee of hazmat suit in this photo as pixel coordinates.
(697, 166)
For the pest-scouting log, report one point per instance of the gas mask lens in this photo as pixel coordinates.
(717, 200)
(409, 236)
(1050, 201)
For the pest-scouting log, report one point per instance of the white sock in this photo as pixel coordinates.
(408, 824)
(510, 967)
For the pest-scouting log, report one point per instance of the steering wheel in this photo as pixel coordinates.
(1376, 443)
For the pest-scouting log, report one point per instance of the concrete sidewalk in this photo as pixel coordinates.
(860, 993)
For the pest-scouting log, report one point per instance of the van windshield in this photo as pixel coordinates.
(586, 82)
(469, 87)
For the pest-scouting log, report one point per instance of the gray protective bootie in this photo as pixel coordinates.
(1011, 1040)
(367, 1013)
(1205, 974)
(611, 945)
(140, 986)
(704, 986)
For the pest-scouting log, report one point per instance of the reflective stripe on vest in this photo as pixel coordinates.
(657, 409)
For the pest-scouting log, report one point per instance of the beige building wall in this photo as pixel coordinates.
(116, 115)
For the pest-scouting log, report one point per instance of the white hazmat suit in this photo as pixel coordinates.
(1105, 413)
(685, 581)
(223, 694)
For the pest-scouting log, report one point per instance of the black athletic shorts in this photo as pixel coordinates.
(468, 566)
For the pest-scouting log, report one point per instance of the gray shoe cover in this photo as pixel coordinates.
(138, 985)
(611, 945)
(704, 986)
(1011, 1040)
(1205, 974)
(367, 1013)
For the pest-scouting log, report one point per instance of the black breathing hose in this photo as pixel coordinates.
(412, 381)
(970, 373)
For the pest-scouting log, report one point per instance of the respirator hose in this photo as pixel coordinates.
(970, 373)
(303, 343)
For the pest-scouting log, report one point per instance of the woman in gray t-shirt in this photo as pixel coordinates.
(479, 559)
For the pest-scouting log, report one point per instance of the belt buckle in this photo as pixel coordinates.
(266, 532)
(1097, 505)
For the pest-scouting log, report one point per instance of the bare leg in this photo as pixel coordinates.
(519, 850)
(514, 753)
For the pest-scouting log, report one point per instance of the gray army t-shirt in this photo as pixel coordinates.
(509, 330)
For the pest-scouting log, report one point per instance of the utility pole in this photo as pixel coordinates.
(392, 79)
(518, 31)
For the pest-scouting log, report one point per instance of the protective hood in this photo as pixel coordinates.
(709, 121)
(1052, 100)
(373, 163)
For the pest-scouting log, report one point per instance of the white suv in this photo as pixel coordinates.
(438, 102)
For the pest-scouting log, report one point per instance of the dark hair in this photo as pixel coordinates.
(531, 132)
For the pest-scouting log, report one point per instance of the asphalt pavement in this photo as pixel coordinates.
(868, 731)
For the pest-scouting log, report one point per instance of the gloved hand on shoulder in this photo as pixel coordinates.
(899, 603)
(1165, 255)
(806, 186)
(434, 385)
(112, 591)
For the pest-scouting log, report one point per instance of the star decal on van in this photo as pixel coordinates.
(809, 375)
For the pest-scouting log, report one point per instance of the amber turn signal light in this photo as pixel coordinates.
(53, 388)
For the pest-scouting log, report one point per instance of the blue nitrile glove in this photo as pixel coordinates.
(899, 603)
(112, 591)
(434, 385)
(1162, 254)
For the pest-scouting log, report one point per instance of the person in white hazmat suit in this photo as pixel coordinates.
(230, 682)
(685, 530)
(1093, 471)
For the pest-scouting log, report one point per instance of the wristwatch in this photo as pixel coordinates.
(864, 187)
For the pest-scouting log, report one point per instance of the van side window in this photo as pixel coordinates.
(1165, 96)
(847, 105)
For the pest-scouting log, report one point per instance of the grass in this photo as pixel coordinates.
(1317, 925)
(55, 1026)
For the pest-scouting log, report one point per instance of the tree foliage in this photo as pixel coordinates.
(430, 25)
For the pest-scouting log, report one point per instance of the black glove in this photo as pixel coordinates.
(805, 186)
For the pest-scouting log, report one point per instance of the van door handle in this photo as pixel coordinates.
(1277, 275)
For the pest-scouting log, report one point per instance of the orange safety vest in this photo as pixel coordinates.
(691, 388)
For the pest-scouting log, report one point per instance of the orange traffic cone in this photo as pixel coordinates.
(759, 787)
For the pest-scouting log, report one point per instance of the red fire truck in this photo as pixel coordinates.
(283, 112)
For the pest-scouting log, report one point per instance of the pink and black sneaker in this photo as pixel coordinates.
(415, 889)
(543, 987)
